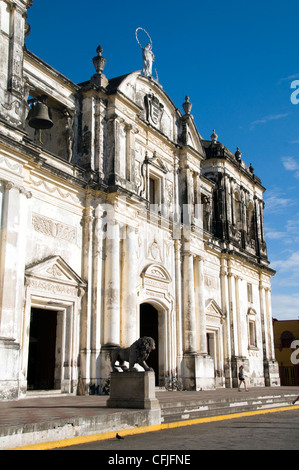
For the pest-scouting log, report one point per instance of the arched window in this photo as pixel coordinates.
(237, 210)
(251, 225)
(252, 335)
(206, 208)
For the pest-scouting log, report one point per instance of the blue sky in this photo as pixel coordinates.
(236, 60)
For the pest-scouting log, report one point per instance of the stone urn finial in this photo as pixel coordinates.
(99, 62)
(187, 106)
(214, 137)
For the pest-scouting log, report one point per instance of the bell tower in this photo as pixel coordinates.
(13, 30)
(238, 205)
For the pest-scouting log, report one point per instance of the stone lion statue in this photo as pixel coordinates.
(137, 353)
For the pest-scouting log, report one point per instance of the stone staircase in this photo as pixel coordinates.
(182, 408)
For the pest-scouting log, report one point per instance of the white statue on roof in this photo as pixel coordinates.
(147, 54)
(148, 59)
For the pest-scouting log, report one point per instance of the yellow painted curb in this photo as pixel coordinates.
(73, 441)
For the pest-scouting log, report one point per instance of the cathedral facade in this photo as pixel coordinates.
(119, 220)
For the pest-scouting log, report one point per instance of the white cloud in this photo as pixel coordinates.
(275, 202)
(285, 307)
(290, 232)
(291, 164)
(293, 225)
(291, 263)
(270, 117)
(289, 78)
(272, 235)
(287, 271)
(286, 280)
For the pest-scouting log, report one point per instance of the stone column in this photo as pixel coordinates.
(189, 306)
(263, 320)
(232, 314)
(86, 313)
(227, 329)
(97, 280)
(200, 291)
(177, 210)
(112, 286)
(178, 303)
(261, 207)
(197, 370)
(198, 366)
(272, 366)
(12, 270)
(229, 200)
(128, 289)
(271, 371)
(12, 259)
(270, 327)
(232, 198)
(13, 15)
(131, 130)
(197, 212)
(114, 153)
(16, 49)
(238, 324)
(233, 328)
(262, 251)
(98, 131)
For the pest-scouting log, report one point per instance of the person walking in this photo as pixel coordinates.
(242, 379)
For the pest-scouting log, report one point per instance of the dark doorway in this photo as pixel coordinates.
(42, 345)
(149, 327)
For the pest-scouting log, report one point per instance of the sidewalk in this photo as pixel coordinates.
(41, 419)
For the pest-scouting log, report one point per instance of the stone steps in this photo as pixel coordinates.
(189, 410)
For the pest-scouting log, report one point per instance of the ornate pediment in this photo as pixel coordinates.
(156, 274)
(213, 309)
(157, 162)
(251, 311)
(155, 271)
(54, 269)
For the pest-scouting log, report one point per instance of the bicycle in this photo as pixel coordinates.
(106, 387)
(173, 384)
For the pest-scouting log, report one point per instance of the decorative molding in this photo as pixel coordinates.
(51, 287)
(211, 282)
(9, 185)
(56, 276)
(154, 251)
(53, 228)
(13, 167)
(213, 309)
(156, 276)
(156, 162)
(251, 311)
(51, 189)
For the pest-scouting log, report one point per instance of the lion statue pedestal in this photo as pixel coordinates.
(128, 387)
(133, 390)
(137, 353)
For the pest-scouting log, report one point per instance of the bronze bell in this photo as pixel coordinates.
(39, 116)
